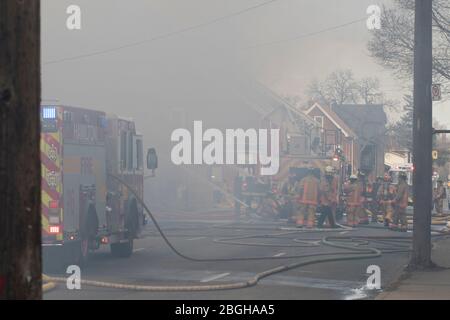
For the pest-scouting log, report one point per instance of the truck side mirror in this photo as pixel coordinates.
(152, 159)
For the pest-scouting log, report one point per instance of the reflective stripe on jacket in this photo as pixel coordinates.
(328, 192)
(308, 188)
(355, 194)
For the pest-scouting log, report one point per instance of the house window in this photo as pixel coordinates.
(130, 152)
(139, 154)
(123, 150)
(319, 120)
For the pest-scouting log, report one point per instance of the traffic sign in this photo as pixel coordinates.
(436, 92)
(434, 154)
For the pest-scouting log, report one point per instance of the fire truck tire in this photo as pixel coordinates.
(132, 223)
(122, 250)
(125, 249)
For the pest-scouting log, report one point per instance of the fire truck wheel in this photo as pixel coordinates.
(122, 250)
(132, 223)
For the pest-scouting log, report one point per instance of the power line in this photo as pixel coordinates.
(161, 36)
(306, 35)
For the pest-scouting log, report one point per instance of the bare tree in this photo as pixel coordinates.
(393, 44)
(341, 87)
(369, 90)
(20, 186)
(401, 132)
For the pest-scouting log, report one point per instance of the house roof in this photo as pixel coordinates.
(366, 120)
(264, 101)
(334, 118)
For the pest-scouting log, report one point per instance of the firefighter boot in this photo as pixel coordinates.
(403, 220)
(389, 213)
(363, 216)
(300, 219)
(311, 212)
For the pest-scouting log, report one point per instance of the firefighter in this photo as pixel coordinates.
(308, 198)
(385, 197)
(354, 195)
(401, 202)
(287, 194)
(376, 207)
(328, 198)
(362, 212)
(441, 194)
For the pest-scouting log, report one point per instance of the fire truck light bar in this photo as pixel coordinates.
(49, 113)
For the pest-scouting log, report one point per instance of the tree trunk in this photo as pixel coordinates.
(422, 136)
(20, 186)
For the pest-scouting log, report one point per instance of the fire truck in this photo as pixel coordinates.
(83, 205)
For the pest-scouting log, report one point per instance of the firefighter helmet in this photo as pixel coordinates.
(353, 177)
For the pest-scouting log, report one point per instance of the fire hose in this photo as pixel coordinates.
(352, 253)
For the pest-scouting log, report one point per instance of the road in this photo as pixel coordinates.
(153, 263)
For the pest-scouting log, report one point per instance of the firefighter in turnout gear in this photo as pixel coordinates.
(354, 195)
(385, 197)
(328, 198)
(376, 205)
(288, 198)
(401, 202)
(362, 213)
(308, 199)
(439, 197)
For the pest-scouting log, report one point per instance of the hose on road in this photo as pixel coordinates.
(358, 253)
(353, 252)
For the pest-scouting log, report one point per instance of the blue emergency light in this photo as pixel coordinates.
(48, 113)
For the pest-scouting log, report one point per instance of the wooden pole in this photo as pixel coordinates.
(20, 186)
(422, 136)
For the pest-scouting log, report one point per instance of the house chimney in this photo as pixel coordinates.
(333, 104)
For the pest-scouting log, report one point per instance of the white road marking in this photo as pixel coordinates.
(280, 254)
(138, 249)
(198, 238)
(343, 232)
(218, 276)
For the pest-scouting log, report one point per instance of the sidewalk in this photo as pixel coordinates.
(427, 285)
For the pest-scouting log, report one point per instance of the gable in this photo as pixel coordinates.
(331, 118)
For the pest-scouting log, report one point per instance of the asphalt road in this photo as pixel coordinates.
(153, 263)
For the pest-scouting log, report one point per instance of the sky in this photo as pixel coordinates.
(183, 67)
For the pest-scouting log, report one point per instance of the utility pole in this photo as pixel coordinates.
(20, 186)
(422, 135)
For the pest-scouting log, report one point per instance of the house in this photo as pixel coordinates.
(335, 132)
(368, 121)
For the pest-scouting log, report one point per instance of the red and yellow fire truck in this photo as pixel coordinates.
(83, 206)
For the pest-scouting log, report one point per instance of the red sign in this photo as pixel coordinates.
(436, 92)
